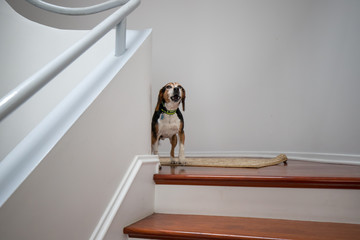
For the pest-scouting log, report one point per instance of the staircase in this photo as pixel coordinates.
(301, 200)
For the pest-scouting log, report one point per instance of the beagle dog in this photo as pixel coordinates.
(168, 122)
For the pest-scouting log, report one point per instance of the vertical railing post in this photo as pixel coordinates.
(120, 39)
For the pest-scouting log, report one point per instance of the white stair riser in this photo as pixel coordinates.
(326, 205)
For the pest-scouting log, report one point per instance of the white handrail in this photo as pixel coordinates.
(30, 86)
(77, 11)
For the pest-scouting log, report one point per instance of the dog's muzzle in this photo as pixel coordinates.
(176, 97)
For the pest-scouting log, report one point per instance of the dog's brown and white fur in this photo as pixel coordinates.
(168, 122)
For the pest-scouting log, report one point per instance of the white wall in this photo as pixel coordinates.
(262, 77)
(25, 48)
(68, 192)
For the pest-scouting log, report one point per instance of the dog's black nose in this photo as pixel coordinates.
(176, 90)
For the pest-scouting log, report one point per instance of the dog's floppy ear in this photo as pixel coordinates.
(160, 99)
(183, 96)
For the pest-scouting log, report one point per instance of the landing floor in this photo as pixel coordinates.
(295, 174)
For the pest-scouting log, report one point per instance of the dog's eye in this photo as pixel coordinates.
(168, 87)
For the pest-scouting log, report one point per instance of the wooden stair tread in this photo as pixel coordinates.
(296, 174)
(175, 226)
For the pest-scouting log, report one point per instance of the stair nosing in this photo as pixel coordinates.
(260, 181)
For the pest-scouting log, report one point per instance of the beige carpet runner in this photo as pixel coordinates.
(229, 162)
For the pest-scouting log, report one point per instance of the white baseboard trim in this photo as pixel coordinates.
(120, 193)
(306, 156)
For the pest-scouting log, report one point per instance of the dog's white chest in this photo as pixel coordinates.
(169, 125)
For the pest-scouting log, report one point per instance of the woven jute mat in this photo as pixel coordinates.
(230, 162)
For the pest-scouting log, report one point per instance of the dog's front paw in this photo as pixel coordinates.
(182, 160)
(172, 161)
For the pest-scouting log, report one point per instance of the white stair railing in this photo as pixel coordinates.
(77, 11)
(30, 86)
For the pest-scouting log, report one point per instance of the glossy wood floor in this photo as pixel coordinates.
(173, 226)
(296, 174)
